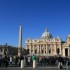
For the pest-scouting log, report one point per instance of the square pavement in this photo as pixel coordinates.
(30, 68)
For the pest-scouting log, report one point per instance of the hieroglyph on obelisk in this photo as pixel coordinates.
(20, 42)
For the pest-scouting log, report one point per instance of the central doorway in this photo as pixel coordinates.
(66, 51)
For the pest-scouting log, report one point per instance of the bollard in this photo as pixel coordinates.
(59, 65)
(34, 63)
(22, 63)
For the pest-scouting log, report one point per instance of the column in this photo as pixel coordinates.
(40, 49)
(51, 48)
(64, 51)
(30, 49)
(55, 47)
(60, 49)
(44, 48)
(37, 49)
(68, 51)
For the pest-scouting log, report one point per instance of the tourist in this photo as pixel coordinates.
(67, 64)
(60, 65)
(29, 60)
(6, 61)
(0, 60)
(11, 60)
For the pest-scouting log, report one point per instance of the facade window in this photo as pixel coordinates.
(5, 49)
(35, 51)
(45, 51)
(49, 49)
(35, 46)
(42, 51)
(1, 50)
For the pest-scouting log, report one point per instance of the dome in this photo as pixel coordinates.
(58, 38)
(46, 34)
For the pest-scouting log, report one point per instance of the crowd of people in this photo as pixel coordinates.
(6, 61)
(40, 60)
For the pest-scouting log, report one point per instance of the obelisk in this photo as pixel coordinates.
(20, 42)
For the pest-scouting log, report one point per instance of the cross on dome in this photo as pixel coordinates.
(46, 30)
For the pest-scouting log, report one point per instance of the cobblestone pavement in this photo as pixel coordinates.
(30, 68)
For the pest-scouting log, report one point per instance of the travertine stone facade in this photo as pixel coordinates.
(48, 46)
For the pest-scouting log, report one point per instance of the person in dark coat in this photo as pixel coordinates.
(60, 60)
(6, 61)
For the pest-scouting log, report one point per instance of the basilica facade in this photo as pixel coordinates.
(46, 45)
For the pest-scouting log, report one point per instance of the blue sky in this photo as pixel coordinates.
(35, 16)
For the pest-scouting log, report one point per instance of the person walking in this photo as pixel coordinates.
(60, 65)
(67, 65)
(34, 61)
(11, 60)
(0, 60)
